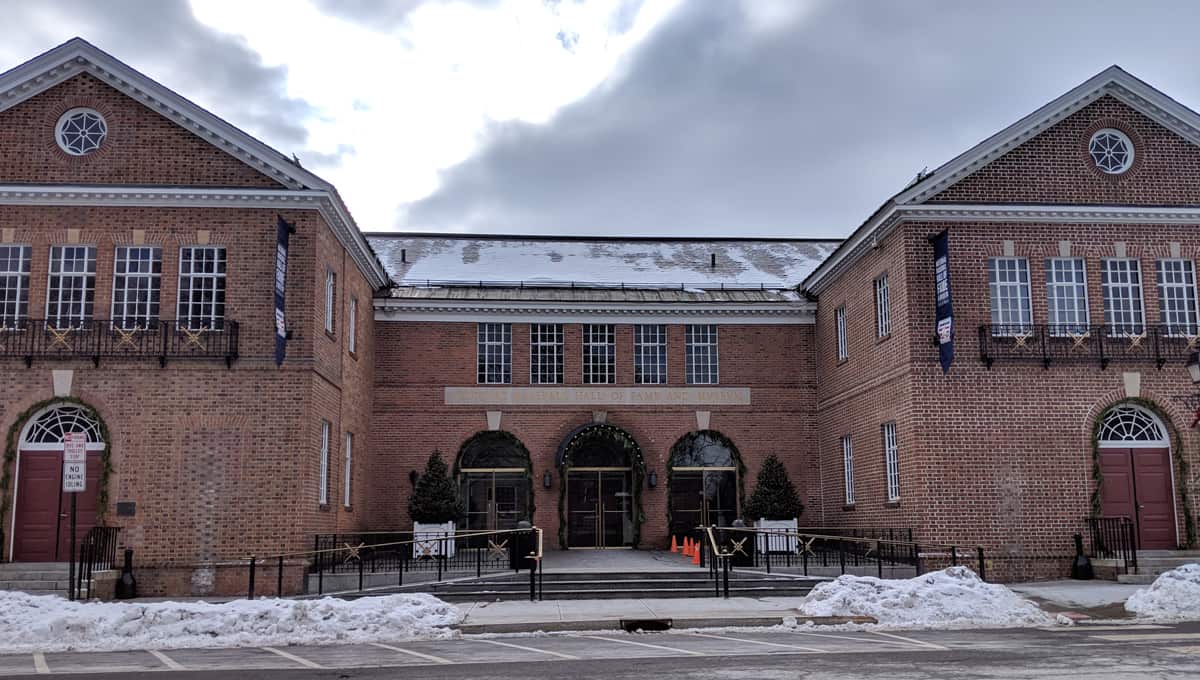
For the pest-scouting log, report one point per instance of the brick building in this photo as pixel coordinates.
(611, 390)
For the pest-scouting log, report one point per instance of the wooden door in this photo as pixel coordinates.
(42, 513)
(1116, 492)
(1155, 501)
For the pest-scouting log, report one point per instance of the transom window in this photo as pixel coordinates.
(48, 430)
(1177, 296)
(701, 359)
(650, 354)
(72, 290)
(81, 131)
(1129, 425)
(14, 285)
(1111, 151)
(494, 354)
(848, 468)
(545, 353)
(1066, 295)
(136, 287)
(599, 354)
(1008, 284)
(1121, 281)
(843, 345)
(891, 457)
(883, 307)
(202, 288)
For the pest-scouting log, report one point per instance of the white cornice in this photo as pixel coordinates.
(784, 313)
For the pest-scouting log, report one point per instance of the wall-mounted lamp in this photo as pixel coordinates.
(413, 476)
(546, 481)
(653, 480)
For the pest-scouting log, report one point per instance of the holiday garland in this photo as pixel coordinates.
(489, 439)
(634, 453)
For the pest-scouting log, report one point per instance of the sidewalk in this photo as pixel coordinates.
(1093, 599)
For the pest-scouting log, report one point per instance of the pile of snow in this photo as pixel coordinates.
(49, 623)
(1174, 594)
(951, 598)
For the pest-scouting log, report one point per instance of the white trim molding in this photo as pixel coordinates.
(797, 313)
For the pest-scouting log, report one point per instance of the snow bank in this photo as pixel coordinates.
(1174, 594)
(951, 598)
(50, 623)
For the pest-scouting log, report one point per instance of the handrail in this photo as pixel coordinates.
(455, 535)
(853, 539)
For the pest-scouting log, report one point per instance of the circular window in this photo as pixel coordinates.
(80, 131)
(1111, 150)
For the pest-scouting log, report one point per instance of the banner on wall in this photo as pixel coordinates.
(282, 231)
(945, 309)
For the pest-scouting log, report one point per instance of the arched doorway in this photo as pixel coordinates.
(1135, 468)
(601, 466)
(494, 476)
(41, 510)
(704, 478)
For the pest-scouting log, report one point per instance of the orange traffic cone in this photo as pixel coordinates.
(695, 554)
(674, 545)
(687, 551)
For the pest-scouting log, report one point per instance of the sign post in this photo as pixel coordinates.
(74, 478)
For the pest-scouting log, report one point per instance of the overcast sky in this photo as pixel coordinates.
(657, 117)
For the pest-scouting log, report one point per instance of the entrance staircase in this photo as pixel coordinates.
(1151, 563)
(36, 578)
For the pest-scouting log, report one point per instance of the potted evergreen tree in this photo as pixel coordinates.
(435, 508)
(774, 505)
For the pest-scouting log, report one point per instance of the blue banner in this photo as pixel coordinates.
(282, 231)
(945, 308)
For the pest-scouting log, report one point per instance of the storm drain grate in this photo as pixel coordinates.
(645, 625)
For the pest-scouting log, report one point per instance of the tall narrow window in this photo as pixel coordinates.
(72, 290)
(495, 354)
(330, 296)
(202, 287)
(1121, 281)
(883, 307)
(599, 353)
(545, 353)
(352, 326)
(701, 354)
(1066, 295)
(323, 489)
(891, 458)
(843, 347)
(848, 468)
(347, 476)
(14, 285)
(1008, 284)
(136, 287)
(1177, 297)
(650, 354)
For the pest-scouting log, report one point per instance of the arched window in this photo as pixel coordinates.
(1126, 425)
(491, 450)
(47, 430)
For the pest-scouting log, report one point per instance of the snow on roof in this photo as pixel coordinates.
(413, 259)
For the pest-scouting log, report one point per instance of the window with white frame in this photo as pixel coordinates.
(848, 468)
(330, 297)
(72, 290)
(650, 354)
(1066, 295)
(14, 285)
(494, 354)
(891, 458)
(1008, 285)
(202, 287)
(545, 353)
(1121, 282)
(883, 307)
(701, 362)
(346, 477)
(323, 488)
(599, 353)
(843, 345)
(352, 326)
(1177, 296)
(136, 286)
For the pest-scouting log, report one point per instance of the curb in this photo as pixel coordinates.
(617, 624)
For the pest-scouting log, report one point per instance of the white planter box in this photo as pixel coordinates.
(425, 539)
(776, 544)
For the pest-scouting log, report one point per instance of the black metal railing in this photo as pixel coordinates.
(97, 552)
(1076, 343)
(98, 339)
(1114, 538)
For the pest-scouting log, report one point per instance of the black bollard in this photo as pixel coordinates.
(127, 585)
(1081, 569)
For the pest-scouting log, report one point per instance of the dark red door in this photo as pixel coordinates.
(1116, 493)
(1155, 502)
(42, 513)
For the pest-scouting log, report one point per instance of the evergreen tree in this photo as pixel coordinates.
(435, 499)
(774, 495)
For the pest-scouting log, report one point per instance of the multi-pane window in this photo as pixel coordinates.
(495, 354)
(848, 468)
(352, 326)
(650, 354)
(136, 286)
(883, 307)
(1066, 295)
(891, 458)
(14, 285)
(349, 466)
(545, 353)
(1177, 296)
(843, 345)
(202, 287)
(323, 488)
(330, 290)
(1008, 284)
(1121, 281)
(72, 290)
(599, 354)
(701, 364)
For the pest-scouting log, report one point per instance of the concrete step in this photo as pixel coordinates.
(37, 575)
(1138, 579)
(35, 584)
(610, 594)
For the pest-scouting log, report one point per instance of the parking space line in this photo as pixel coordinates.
(758, 642)
(1148, 637)
(167, 661)
(642, 644)
(287, 655)
(919, 643)
(419, 655)
(39, 663)
(528, 649)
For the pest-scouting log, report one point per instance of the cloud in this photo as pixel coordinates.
(756, 119)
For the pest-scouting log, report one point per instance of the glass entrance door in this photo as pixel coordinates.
(599, 508)
(495, 500)
(703, 497)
